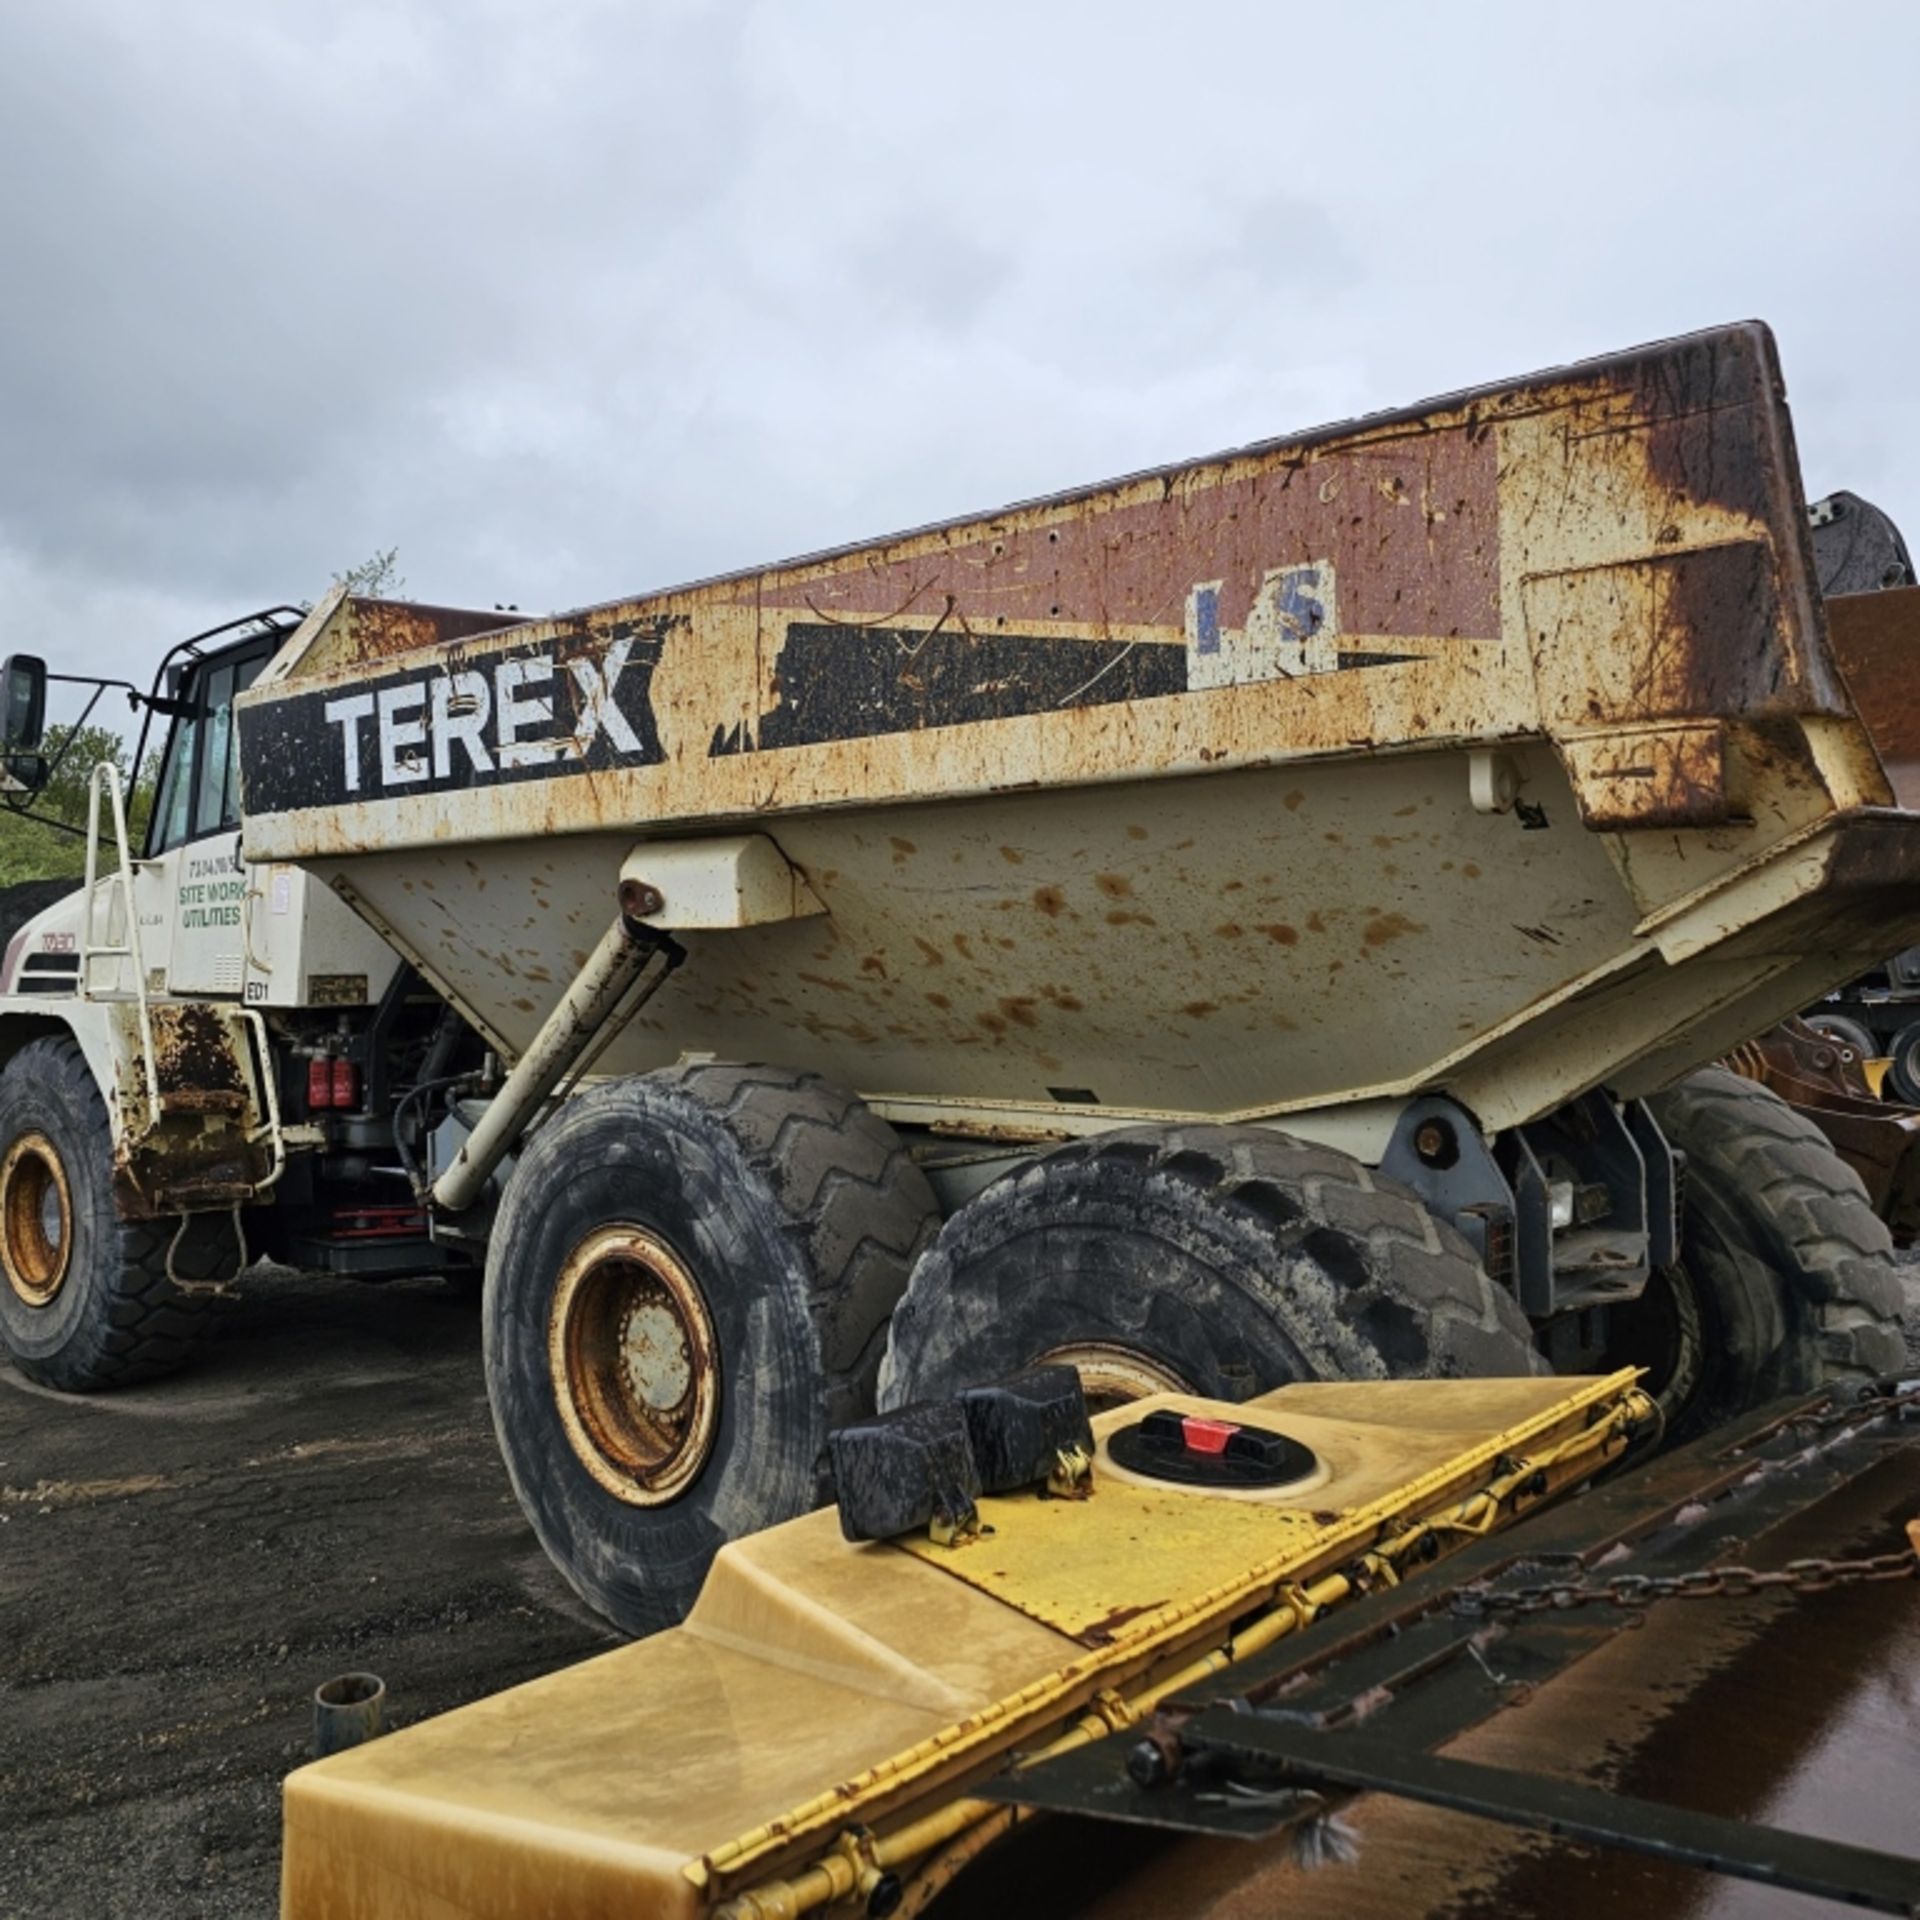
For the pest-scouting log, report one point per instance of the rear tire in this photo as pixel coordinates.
(1903, 1072)
(1220, 1260)
(1785, 1282)
(85, 1301)
(687, 1289)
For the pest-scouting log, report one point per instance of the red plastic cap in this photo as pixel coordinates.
(1207, 1436)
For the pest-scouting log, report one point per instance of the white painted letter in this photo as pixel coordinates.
(396, 733)
(511, 714)
(461, 706)
(598, 708)
(347, 714)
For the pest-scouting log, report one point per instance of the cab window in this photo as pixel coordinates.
(200, 777)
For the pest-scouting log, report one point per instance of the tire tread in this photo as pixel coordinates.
(1782, 1165)
(148, 1326)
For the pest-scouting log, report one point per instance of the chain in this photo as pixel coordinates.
(1902, 1399)
(1634, 1591)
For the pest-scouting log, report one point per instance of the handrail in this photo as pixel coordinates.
(276, 1136)
(106, 777)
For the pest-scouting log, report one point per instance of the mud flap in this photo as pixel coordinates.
(199, 1135)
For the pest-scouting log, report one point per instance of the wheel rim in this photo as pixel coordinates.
(36, 1219)
(635, 1367)
(1112, 1375)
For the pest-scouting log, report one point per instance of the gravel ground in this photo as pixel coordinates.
(181, 1564)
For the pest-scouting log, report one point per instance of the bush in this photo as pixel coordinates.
(32, 845)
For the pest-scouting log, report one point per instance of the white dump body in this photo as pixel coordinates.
(1495, 747)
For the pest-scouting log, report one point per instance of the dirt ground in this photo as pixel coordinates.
(181, 1564)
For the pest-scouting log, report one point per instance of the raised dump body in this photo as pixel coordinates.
(1494, 746)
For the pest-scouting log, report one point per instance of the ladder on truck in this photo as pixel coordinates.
(96, 945)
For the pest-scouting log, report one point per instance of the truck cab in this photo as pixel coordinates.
(200, 1061)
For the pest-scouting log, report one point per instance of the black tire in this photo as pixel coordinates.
(1222, 1260)
(1903, 1074)
(1785, 1282)
(1846, 1032)
(90, 1306)
(794, 1212)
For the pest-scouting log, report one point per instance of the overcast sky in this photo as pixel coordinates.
(569, 300)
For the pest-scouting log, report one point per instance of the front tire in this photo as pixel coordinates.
(686, 1290)
(85, 1297)
(1216, 1260)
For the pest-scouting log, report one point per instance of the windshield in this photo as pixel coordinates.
(200, 779)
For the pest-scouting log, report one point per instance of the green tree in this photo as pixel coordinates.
(33, 845)
(378, 577)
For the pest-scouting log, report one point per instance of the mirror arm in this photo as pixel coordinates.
(23, 806)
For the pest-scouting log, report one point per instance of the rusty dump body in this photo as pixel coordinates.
(1496, 747)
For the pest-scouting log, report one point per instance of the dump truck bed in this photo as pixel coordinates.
(1495, 745)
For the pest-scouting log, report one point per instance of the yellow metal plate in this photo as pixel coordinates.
(1091, 1568)
(1088, 1567)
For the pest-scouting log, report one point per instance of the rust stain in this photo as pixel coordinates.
(1050, 900)
(1101, 1632)
(1279, 933)
(825, 980)
(366, 630)
(1116, 886)
(1876, 639)
(1384, 928)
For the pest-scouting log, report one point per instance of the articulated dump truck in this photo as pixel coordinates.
(1264, 920)
(1196, 996)
(1154, 1048)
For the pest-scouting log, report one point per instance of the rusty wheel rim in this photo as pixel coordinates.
(1112, 1375)
(36, 1219)
(636, 1373)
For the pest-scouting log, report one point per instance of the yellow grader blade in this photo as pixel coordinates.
(819, 1726)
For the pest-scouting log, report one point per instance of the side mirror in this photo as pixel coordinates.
(23, 703)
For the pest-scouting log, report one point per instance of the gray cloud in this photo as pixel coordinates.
(575, 300)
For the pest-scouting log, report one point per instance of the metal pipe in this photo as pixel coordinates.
(612, 967)
(347, 1712)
